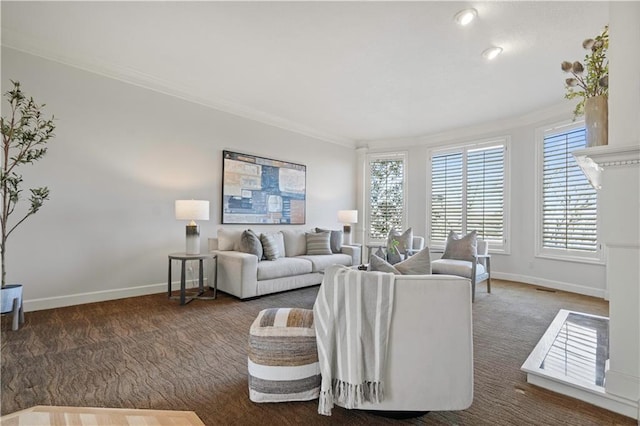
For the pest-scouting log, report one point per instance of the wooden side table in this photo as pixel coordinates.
(183, 258)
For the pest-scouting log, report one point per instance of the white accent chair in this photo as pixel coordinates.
(477, 271)
(429, 367)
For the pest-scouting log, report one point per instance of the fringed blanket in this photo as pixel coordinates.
(352, 314)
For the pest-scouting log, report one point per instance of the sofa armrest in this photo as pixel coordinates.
(355, 251)
(237, 273)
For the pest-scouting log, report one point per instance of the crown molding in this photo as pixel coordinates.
(14, 40)
(560, 111)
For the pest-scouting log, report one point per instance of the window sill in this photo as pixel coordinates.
(575, 259)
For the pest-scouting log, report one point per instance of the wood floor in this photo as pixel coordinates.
(86, 416)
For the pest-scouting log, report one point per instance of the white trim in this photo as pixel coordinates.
(552, 284)
(189, 94)
(102, 295)
(596, 258)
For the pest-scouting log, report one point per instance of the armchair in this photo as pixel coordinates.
(477, 271)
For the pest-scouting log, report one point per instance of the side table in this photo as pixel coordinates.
(183, 258)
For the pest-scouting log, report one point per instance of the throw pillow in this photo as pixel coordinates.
(335, 240)
(377, 263)
(318, 243)
(250, 243)
(270, 246)
(229, 239)
(404, 239)
(461, 248)
(418, 264)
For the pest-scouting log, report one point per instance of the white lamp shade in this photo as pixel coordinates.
(192, 210)
(348, 216)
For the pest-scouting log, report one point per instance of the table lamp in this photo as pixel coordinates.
(347, 217)
(192, 210)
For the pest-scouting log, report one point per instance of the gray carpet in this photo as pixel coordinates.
(149, 352)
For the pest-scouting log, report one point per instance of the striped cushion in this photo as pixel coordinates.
(318, 243)
(270, 246)
(283, 358)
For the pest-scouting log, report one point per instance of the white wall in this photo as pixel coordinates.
(121, 156)
(521, 264)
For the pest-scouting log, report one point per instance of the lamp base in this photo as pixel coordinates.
(193, 239)
(346, 238)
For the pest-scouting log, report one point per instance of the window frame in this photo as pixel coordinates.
(392, 155)
(596, 257)
(505, 247)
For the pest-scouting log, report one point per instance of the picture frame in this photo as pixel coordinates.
(261, 190)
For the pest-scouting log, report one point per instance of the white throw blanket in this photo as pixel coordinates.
(352, 314)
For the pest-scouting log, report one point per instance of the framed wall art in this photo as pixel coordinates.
(258, 190)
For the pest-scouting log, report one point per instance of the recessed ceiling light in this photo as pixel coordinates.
(491, 53)
(464, 17)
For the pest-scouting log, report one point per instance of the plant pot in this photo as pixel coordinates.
(11, 302)
(596, 117)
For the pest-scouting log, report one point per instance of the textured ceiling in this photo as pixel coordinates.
(342, 71)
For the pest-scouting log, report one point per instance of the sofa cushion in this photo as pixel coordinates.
(321, 262)
(229, 239)
(418, 264)
(461, 248)
(461, 268)
(335, 240)
(250, 243)
(295, 242)
(283, 267)
(318, 243)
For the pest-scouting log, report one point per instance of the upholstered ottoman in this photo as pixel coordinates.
(283, 358)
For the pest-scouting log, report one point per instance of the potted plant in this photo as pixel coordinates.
(590, 82)
(25, 134)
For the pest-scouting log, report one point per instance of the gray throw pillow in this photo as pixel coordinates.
(404, 239)
(379, 264)
(335, 240)
(250, 243)
(269, 246)
(418, 264)
(461, 248)
(318, 243)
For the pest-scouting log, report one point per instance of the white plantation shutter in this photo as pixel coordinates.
(446, 195)
(569, 202)
(468, 193)
(386, 195)
(485, 193)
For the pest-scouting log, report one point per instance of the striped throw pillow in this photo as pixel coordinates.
(318, 243)
(269, 247)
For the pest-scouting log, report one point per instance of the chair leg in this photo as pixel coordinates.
(473, 291)
(489, 284)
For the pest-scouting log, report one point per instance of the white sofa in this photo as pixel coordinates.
(242, 275)
(430, 349)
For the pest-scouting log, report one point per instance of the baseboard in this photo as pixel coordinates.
(101, 296)
(556, 285)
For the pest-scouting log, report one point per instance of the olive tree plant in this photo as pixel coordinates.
(25, 134)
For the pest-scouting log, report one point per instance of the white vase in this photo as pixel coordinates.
(596, 117)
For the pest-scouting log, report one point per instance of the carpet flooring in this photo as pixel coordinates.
(149, 352)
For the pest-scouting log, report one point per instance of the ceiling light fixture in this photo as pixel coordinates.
(491, 53)
(464, 17)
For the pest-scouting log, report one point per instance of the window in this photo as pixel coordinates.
(387, 188)
(468, 192)
(568, 207)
